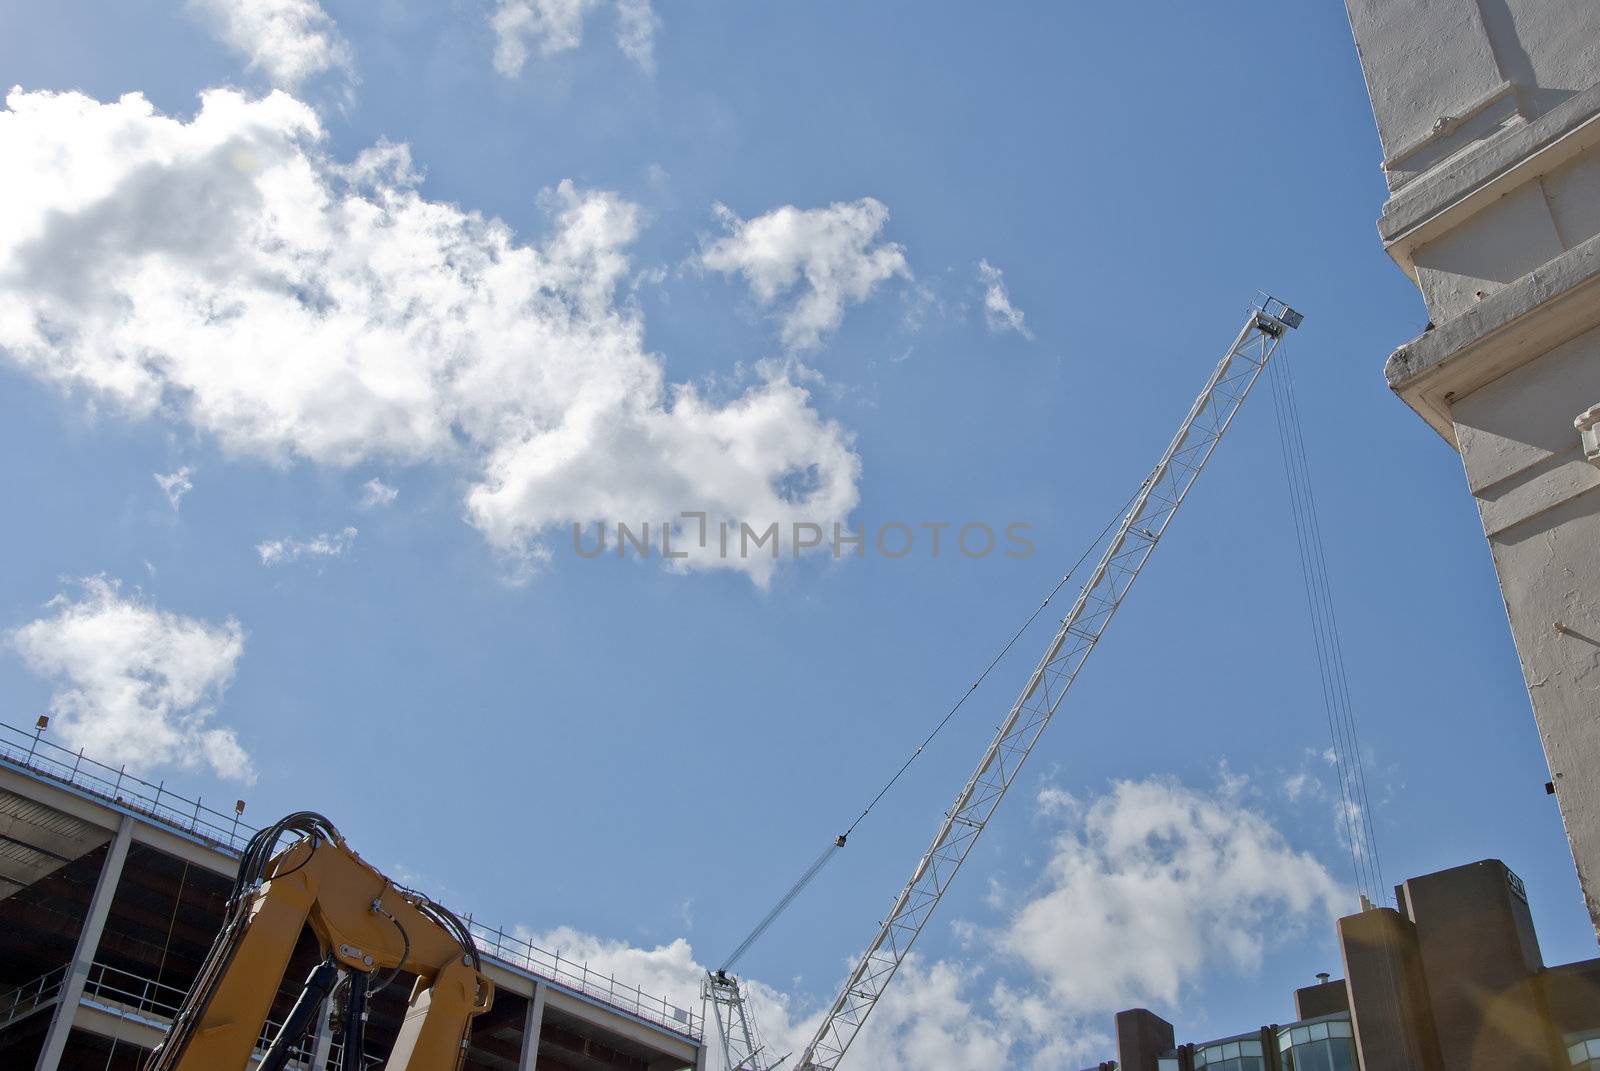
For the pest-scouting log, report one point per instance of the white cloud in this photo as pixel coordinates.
(287, 40)
(1152, 887)
(937, 1014)
(998, 312)
(175, 485)
(637, 23)
(223, 272)
(928, 1018)
(1338, 795)
(553, 26)
(1053, 802)
(136, 684)
(326, 545)
(1159, 886)
(828, 258)
(376, 493)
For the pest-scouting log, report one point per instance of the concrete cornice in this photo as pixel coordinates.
(1427, 207)
(1498, 335)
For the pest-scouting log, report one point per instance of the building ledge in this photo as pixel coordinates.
(1497, 336)
(1428, 206)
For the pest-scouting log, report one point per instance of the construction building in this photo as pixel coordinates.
(1488, 112)
(112, 890)
(1452, 981)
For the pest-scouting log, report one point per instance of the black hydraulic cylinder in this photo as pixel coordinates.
(355, 1023)
(319, 983)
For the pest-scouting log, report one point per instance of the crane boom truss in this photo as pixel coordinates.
(1153, 508)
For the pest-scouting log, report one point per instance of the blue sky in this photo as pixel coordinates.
(643, 754)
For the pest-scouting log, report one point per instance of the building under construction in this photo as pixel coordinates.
(113, 889)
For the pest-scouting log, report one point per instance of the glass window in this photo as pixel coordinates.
(1583, 1050)
(1250, 1048)
(1167, 1063)
(1328, 1045)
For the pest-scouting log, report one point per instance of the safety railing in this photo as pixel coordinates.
(26, 999)
(129, 995)
(155, 800)
(132, 994)
(576, 975)
(115, 783)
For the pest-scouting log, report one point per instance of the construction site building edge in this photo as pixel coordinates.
(112, 891)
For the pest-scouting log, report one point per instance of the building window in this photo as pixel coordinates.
(1583, 1050)
(1326, 1045)
(1242, 1055)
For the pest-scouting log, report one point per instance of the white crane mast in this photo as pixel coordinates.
(742, 1049)
(1141, 529)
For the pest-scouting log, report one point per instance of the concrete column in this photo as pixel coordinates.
(1389, 994)
(105, 889)
(1142, 1036)
(701, 1056)
(530, 1029)
(1481, 957)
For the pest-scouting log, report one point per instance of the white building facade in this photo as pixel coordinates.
(1489, 116)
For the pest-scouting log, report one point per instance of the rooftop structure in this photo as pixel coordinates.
(112, 889)
(1489, 116)
(1453, 981)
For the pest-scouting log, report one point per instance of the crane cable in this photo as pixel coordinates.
(1355, 817)
(1356, 826)
(832, 849)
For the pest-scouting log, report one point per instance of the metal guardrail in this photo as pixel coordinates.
(230, 833)
(133, 996)
(29, 998)
(115, 783)
(509, 948)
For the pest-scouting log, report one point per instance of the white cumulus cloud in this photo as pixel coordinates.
(289, 41)
(1151, 887)
(936, 1014)
(552, 26)
(326, 545)
(826, 258)
(637, 23)
(376, 493)
(998, 312)
(223, 272)
(1156, 886)
(136, 684)
(175, 485)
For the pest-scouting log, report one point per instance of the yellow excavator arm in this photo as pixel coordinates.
(365, 925)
